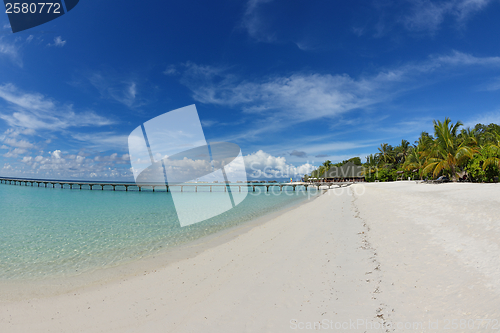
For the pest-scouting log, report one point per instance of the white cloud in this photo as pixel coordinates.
(419, 15)
(58, 42)
(457, 58)
(280, 101)
(260, 160)
(33, 111)
(428, 15)
(115, 157)
(262, 165)
(132, 90)
(102, 140)
(491, 86)
(205, 73)
(358, 31)
(254, 23)
(122, 91)
(27, 159)
(333, 146)
(485, 119)
(304, 46)
(10, 51)
(56, 154)
(15, 152)
(34, 101)
(18, 144)
(303, 96)
(62, 165)
(258, 165)
(170, 70)
(208, 123)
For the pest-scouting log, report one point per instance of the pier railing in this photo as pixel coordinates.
(167, 188)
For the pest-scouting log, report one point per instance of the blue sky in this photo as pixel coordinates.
(292, 82)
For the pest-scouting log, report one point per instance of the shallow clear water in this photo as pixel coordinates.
(47, 232)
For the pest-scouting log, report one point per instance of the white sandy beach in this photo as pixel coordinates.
(358, 256)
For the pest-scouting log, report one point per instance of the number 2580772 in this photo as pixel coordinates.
(32, 8)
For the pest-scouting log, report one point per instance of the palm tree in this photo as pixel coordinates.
(386, 153)
(316, 173)
(470, 136)
(370, 165)
(425, 141)
(448, 153)
(492, 150)
(402, 151)
(415, 161)
(325, 167)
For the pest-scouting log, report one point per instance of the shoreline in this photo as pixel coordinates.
(34, 288)
(243, 274)
(384, 253)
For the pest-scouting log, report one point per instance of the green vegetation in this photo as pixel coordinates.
(328, 164)
(451, 151)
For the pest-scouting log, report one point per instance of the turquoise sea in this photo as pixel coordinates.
(46, 232)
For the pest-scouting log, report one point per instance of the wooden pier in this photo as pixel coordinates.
(167, 188)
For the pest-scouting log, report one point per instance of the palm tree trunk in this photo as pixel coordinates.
(454, 174)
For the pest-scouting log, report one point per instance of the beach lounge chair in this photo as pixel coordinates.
(441, 179)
